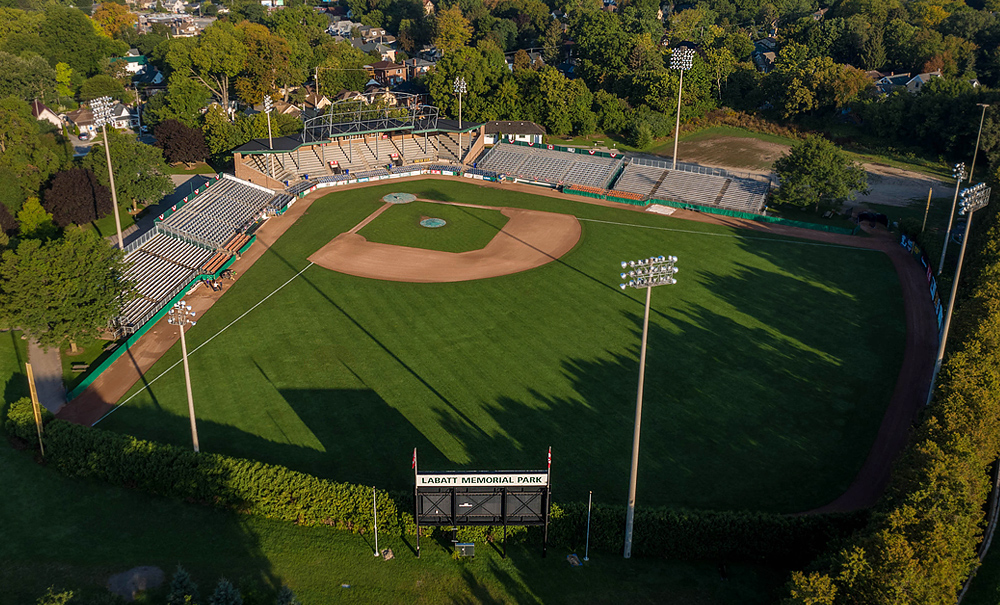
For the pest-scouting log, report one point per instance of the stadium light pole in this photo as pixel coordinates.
(181, 315)
(101, 107)
(460, 89)
(644, 273)
(958, 173)
(268, 106)
(681, 60)
(976, 152)
(973, 198)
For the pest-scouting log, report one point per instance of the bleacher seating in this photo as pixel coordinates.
(479, 171)
(660, 182)
(540, 164)
(640, 180)
(369, 174)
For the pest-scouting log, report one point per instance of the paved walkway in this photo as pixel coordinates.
(47, 369)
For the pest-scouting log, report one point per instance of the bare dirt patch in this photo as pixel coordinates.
(898, 187)
(530, 239)
(743, 153)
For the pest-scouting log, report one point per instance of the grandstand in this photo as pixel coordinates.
(198, 237)
(359, 135)
(655, 180)
(537, 164)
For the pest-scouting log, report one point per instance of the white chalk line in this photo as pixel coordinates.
(763, 239)
(193, 351)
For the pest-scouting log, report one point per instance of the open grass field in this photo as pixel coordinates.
(465, 229)
(74, 534)
(770, 364)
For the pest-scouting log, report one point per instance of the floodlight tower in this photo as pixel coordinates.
(957, 173)
(644, 273)
(268, 107)
(973, 198)
(978, 136)
(101, 107)
(681, 59)
(460, 89)
(181, 315)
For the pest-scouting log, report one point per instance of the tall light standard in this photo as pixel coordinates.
(460, 89)
(644, 273)
(973, 198)
(102, 107)
(268, 107)
(976, 152)
(181, 315)
(957, 173)
(681, 60)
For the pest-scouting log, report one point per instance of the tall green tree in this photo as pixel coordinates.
(225, 594)
(453, 30)
(183, 101)
(212, 59)
(27, 153)
(64, 289)
(102, 86)
(140, 171)
(817, 172)
(26, 77)
(183, 590)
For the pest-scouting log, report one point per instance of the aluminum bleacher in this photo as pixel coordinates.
(691, 184)
(550, 166)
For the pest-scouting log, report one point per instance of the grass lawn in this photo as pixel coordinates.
(74, 534)
(105, 227)
(769, 367)
(465, 229)
(91, 350)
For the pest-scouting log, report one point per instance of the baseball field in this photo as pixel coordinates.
(770, 363)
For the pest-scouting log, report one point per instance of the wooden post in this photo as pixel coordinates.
(35, 407)
(928, 209)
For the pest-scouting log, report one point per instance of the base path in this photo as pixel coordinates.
(530, 239)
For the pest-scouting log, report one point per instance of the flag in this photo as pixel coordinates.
(414, 458)
(550, 457)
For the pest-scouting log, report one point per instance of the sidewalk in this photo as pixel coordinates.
(47, 369)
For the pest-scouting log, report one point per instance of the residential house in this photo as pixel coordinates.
(134, 65)
(342, 28)
(316, 101)
(818, 15)
(887, 82)
(428, 7)
(149, 78)
(370, 33)
(387, 73)
(43, 113)
(516, 130)
(387, 53)
(430, 53)
(918, 81)
(124, 118)
(417, 67)
(272, 4)
(82, 120)
(765, 53)
(174, 6)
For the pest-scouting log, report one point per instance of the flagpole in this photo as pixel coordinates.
(416, 501)
(375, 510)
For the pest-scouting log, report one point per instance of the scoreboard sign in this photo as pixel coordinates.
(499, 498)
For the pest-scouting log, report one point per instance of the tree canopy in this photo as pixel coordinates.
(817, 172)
(139, 169)
(62, 289)
(76, 197)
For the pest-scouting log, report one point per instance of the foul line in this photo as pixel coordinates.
(193, 351)
(763, 239)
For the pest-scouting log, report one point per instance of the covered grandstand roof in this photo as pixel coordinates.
(513, 127)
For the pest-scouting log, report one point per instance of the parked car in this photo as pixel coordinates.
(83, 136)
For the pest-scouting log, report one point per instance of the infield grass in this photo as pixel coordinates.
(769, 368)
(465, 229)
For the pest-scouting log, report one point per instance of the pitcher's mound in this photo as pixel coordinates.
(530, 239)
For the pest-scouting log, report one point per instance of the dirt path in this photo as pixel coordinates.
(530, 239)
(907, 398)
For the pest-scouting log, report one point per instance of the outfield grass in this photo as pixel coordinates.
(769, 368)
(105, 227)
(75, 534)
(466, 229)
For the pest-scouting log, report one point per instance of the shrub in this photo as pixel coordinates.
(20, 420)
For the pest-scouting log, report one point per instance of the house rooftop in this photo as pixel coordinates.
(513, 127)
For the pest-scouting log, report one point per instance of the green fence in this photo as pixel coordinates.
(131, 340)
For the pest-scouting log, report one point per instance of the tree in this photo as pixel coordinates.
(35, 222)
(268, 64)
(453, 30)
(51, 597)
(811, 589)
(26, 77)
(64, 80)
(225, 594)
(63, 289)
(27, 153)
(77, 197)
(113, 17)
(287, 597)
(212, 59)
(817, 172)
(553, 42)
(183, 590)
(180, 143)
(184, 101)
(102, 86)
(139, 169)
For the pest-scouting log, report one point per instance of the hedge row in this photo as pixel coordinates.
(921, 543)
(276, 492)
